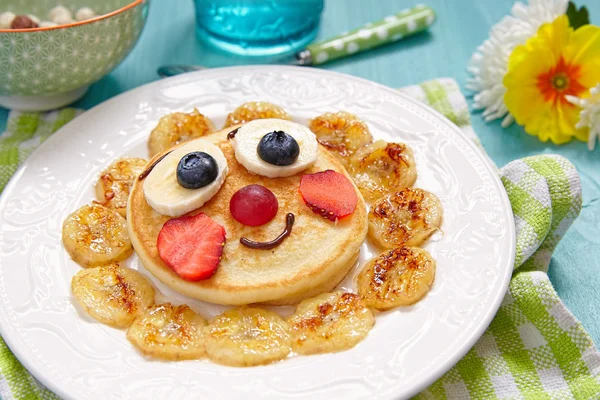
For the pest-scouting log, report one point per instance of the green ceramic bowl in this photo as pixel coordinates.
(47, 68)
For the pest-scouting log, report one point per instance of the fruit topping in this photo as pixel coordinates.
(381, 167)
(342, 133)
(245, 336)
(329, 194)
(95, 235)
(274, 147)
(176, 128)
(169, 332)
(192, 246)
(253, 205)
(162, 186)
(398, 277)
(330, 322)
(289, 223)
(255, 110)
(404, 218)
(278, 148)
(112, 294)
(196, 170)
(115, 183)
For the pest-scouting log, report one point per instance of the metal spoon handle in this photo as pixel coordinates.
(170, 70)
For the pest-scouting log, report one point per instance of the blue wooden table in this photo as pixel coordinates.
(461, 26)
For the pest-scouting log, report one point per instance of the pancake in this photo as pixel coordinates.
(313, 259)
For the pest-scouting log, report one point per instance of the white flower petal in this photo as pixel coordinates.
(488, 64)
(589, 116)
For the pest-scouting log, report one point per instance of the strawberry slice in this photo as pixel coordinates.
(192, 246)
(329, 194)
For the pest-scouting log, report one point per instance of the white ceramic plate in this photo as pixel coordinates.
(408, 349)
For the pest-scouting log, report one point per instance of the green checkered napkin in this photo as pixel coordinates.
(533, 349)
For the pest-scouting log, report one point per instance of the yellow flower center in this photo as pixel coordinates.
(555, 63)
(561, 80)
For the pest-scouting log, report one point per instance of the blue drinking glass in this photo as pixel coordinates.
(258, 27)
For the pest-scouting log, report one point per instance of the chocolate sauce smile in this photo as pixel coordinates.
(151, 167)
(289, 222)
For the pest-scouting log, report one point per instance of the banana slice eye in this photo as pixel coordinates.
(274, 147)
(186, 178)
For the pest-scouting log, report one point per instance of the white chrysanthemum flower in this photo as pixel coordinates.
(589, 117)
(489, 63)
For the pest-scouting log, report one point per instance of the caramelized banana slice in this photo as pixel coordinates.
(341, 133)
(114, 184)
(381, 167)
(255, 110)
(398, 277)
(404, 218)
(329, 323)
(169, 332)
(112, 294)
(95, 235)
(245, 336)
(176, 128)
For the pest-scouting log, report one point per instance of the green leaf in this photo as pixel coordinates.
(577, 17)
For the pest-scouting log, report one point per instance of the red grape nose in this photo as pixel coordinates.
(253, 205)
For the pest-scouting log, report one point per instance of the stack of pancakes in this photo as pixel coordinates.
(313, 259)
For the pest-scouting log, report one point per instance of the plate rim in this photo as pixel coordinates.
(459, 353)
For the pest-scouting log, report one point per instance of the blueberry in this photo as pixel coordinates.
(196, 170)
(278, 148)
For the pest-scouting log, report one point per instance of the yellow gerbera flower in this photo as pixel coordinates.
(554, 63)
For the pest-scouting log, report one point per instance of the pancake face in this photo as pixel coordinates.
(313, 259)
